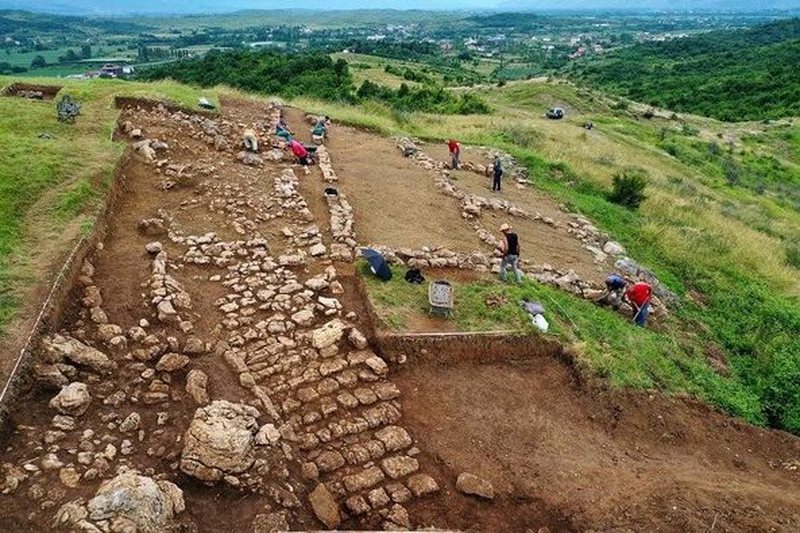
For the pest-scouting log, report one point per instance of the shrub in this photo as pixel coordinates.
(628, 189)
(523, 136)
(731, 170)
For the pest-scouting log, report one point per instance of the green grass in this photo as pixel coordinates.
(607, 343)
(23, 59)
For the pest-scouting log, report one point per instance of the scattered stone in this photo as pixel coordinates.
(60, 347)
(303, 318)
(63, 422)
(422, 484)
(172, 362)
(69, 477)
(131, 423)
(325, 506)
(357, 339)
(268, 434)
(270, 523)
(194, 346)
(197, 386)
(613, 248)
(473, 485)
(154, 247)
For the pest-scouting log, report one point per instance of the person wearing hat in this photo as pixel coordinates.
(509, 246)
(615, 291)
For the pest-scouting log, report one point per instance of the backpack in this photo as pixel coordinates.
(414, 276)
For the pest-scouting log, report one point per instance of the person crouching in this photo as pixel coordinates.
(301, 153)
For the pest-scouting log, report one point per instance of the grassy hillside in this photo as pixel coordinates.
(730, 75)
(51, 185)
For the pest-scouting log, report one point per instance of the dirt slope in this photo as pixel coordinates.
(598, 460)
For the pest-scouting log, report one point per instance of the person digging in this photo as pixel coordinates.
(615, 291)
(301, 153)
(509, 247)
(639, 296)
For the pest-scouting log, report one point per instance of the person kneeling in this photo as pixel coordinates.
(301, 153)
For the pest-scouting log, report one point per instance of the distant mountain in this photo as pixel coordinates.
(127, 7)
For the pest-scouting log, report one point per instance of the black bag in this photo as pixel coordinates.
(414, 276)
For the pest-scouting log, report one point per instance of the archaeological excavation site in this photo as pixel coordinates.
(213, 361)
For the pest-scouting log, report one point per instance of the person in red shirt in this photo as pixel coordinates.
(300, 152)
(639, 295)
(455, 153)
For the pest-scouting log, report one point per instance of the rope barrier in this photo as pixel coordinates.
(38, 322)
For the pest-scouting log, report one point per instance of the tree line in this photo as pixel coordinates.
(312, 74)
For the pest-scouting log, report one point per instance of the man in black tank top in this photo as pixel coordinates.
(510, 248)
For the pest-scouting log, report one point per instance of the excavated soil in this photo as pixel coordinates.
(27, 90)
(559, 454)
(571, 457)
(395, 201)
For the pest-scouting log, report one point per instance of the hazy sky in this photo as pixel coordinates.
(108, 7)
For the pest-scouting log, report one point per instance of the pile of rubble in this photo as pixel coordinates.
(325, 165)
(342, 227)
(166, 293)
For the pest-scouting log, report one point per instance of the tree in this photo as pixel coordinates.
(69, 57)
(86, 51)
(38, 62)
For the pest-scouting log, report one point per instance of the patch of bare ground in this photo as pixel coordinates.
(573, 457)
(395, 201)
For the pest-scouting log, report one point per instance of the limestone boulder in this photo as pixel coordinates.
(220, 441)
(73, 399)
(132, 502)
(61, 347)
(328, 335)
